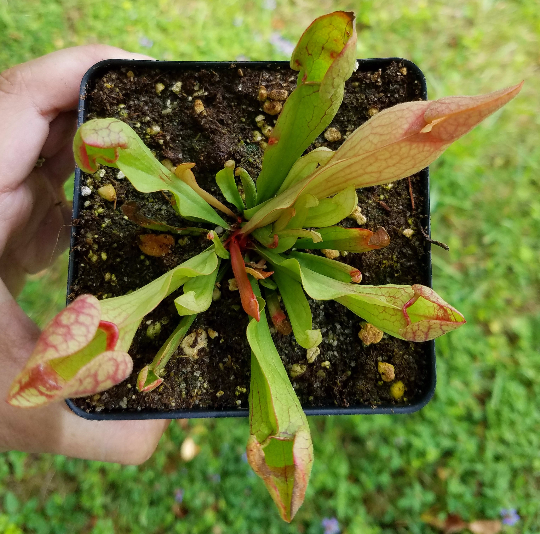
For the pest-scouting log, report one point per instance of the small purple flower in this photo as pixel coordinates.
(281, 44)
(509, 516)
(330, 525)
(179, 495)
(147, 43)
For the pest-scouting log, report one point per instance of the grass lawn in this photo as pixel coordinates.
(474, 450)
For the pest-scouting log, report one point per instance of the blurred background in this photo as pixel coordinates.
(474, 451)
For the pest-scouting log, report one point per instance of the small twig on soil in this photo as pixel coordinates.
(432, 241)
(384, 205)
(171, 201)
(411, 193)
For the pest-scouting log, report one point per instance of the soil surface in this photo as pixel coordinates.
(160, 104)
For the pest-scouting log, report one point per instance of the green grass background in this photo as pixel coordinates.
(475, 448)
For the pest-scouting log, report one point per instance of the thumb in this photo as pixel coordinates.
(33, 94)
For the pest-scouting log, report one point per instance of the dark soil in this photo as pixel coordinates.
(111, 262)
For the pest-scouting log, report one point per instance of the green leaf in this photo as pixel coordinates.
(306, 165)
(302, 207)
(132, 211)
(148, 380)
(327, 267)
(285, 243)
(330, 211)
(393, 144)
(221, 251)
(69, 366)
(227, 184)
(279, 449)
(350, 239)
(75, 355)
(414, 313)
(268, 283)
(113, 143)
(386, 307)
(309, 235)
(248, 184)
(197, 295)
(325, 57)
(402, 140)
(72, 358)
(285, 219)
(150, 376)
(265, 236)
(287, 238)
(128, 311)
(298, 309)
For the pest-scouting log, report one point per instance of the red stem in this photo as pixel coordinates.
(249, 301)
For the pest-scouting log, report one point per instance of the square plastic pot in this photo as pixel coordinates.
(365, 65)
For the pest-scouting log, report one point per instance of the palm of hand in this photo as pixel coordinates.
(37, 112)
(34, 227)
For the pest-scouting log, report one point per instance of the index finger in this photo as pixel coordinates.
(32, 95)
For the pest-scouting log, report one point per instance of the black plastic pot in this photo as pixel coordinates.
(366, 65)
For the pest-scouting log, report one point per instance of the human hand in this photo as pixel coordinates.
(38, 102)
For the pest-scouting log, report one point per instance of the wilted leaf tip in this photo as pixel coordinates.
(286, 483)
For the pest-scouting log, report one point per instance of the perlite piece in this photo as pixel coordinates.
(330, 254)
(408, 232)
(278, 94)
(107, 192)
(357, 215)
(193, 343)
(311, 354)
(198, 107)
(272, 107)
(386, 370)
(370, 334)
(332, 135)
(397, 389)
(297, 369)
(263, 93)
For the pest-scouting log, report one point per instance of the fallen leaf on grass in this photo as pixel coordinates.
(485, 526)
(189, 449)
(453, 524)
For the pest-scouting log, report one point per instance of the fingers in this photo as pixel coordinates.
(55, 429)
(61, 132)
(59, 168)
(32, 95)
(124, 442)
(58, 149)
(51, 83)
(34, 225)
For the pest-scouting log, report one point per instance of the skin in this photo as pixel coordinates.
(38, 102)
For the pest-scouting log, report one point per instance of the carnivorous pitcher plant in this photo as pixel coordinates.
(295, 204)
